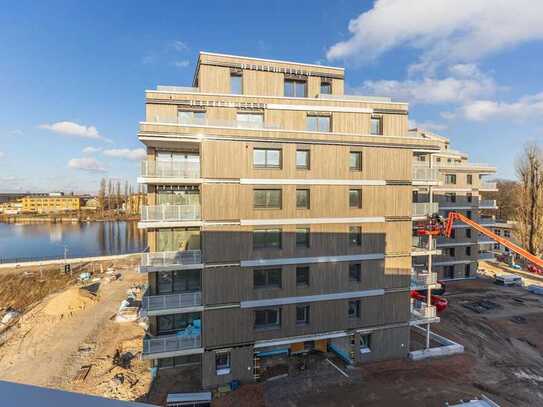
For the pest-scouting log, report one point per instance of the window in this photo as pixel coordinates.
(469, 179)
(318, 123)
(302, 159)
(354, 309)
(222, 363)
(179, 361)
(191, 117)
(468, 250)
(267, 239)
(355, 272)
(506, 233)
(302, 198)
(236, 84)
(469, 197)
(355, 161)
(302, 237)
(355, 198)
(267, 278)
(268, 318)
(467, 270)
(266, 158)
(302, 314)
(252, 120)
(295, 88)
(450, 197)
(178, 281)
(376, 125)
(468, 214)
(453, 233)
(365, 343)
(452, 252)
(450, 178)
(326, 88)
(468, 233)
(498, 232)
(175, 322)
(267, 198)
(355, 235)
(448, 271)
(302, 276)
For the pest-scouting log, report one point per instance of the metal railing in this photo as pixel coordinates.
(487, 203)
(424, 208)
(163, 88)
(423, 278)
(168, 212)
(421, 173)
(171, 301)
(152, 168)
(171, 258)
(421, 243)
(486, 256)
(170, 343)
(196, 121)
(487, 185)
(422, 310)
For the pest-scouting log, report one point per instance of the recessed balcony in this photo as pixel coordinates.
(172, 303)
(170, 213)
(487, 204)
(423, 209)
(155, 347)
(171, 260)
(154, 171)
(420, 310)
(488, 186)
(425, 175)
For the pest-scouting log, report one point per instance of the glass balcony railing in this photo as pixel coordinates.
(487, 204)
(165, 302)
(171, 258)
(487, 185)
(170, 169)
(423, 278)
(421, 310)
(424, 208)
(197, 121)
(421, 243)
(425, 174)
(166, 212)
(155, 345)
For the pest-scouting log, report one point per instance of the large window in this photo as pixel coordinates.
(468, 250)
(302, 276)
(302, 198)
(467, 270)
(355, 235)
(355, 161)
(450, 178)
(222, 363)
(267, 198)
(268, 318)
(355, 272)
(365, 343)
(355, 198)
(191, 117)
(318, 123)
(267, 278)
(171, 323)
(266, 158)
(295, 88)
(450, 196)
(179, 361)
(267, 239)
(354, 309)
(302, 159)
(469, 179)
(376, 125)
(178, 281)
(252, 120)
(468, 233)
(326, 88)
(302, 237)
(448, 271)
(302, 314)
(236, 84)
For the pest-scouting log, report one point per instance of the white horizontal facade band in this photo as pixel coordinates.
(296, 339)
(455, 244)
(452, 208)
(454, 189)
(452, 262)
(169, 224)
(307, 221)
(311, 298)
(162, 355)
(168, 180)
(313, 108)
(283, 181)
(307, 260)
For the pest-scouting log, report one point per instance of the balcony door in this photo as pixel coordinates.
(179, 281)
(178, 195)
(178, 239)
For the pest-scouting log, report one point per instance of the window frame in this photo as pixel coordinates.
(238, 75)
(359, 204)
(294, 83)
(450, 179)
(358, 275)
(379, 120)
(267, 272)
(359, 167)
(308, 205)
(355, 240)
(306, 309)
(197, 117)
(250, 124)
(318, 119)
(267, 199)
(325, 83)
(277, 231)
(357, 306)
(307, 273)
(267, 312)
(469, 179)
(365, 343)
(223, 369)
(307, 165)
(266, 164)
(307, 241)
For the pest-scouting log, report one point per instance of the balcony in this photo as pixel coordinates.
(425, 175)
(172, 303)
(181, 89)
(170, 169)
(197, 121)
(419, 246)
(423, 209)
(423, 279)
(170, 213)
(170, 345)
(162, 261)
(487, 186)
(486, 256)
(487, 204)
(421, 310)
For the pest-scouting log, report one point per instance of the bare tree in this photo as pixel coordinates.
(506, 198)
(530, 199)
(102, 195)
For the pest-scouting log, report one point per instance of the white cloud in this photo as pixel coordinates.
(182, 64)
(528, 106)
(126, 153)
(465, 82)
(432, 126)
(179, 46)
(443, 30)
(87, 164)
(73, 129)
(91, 150)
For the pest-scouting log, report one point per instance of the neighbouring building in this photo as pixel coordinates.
(279, 219)
(505, 229)
(445, 181)
(53, 202)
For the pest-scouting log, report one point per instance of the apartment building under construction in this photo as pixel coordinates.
(279, 219)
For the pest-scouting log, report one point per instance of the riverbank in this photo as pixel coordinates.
(68, 218)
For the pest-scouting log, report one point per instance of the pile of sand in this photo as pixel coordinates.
(66, 303)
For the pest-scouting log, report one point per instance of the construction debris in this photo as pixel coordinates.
(82, 373)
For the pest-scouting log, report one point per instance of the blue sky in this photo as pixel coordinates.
(73, 74)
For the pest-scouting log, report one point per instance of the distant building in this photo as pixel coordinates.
(55, 202)
(11, 207)
(504, 229)
(91, 204)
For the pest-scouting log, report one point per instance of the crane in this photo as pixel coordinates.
(437, 226)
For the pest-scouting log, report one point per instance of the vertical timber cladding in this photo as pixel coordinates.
(241, 367)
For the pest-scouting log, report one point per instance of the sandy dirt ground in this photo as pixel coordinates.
(503, 360)
(66, 330)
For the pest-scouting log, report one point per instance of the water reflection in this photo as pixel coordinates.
(81, 239)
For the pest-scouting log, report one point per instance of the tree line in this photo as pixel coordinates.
(112, 197)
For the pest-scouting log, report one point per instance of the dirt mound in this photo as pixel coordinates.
(66, 303)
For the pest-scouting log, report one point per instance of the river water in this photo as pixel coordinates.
(48, 240)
